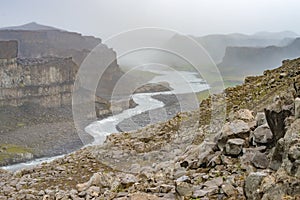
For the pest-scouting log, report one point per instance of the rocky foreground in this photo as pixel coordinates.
(255, 154)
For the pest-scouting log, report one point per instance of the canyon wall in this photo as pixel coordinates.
(44, 81)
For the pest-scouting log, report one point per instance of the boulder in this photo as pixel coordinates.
(262, 135)
(276, 116)
(277, 155)
(214, 182)
(252, 185)
(198, 192)
(184, 189)
(260, 160)
(197, 156)
(234, 147)
(260, 118)
(242, 114)
(291, 144)
(228, 189)
(143, 196)
(297, 108)
(234, 129)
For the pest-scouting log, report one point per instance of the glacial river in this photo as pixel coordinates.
(182, 82)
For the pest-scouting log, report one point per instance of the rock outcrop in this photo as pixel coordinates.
(8, 50)
(44, 81)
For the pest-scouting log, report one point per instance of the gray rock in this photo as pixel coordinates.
(93, 191)
(200, 193)
(242, 114)
(166, 188)
(252, 185)
(128, 179)
(184, 179)
(235, 129)
(184, 189)
(277, 155)
(260, 118)
(228, 189)
(260, 160)
(276, 115)
(234, 147)
(297, 108)
(262, 134)
(214, 182)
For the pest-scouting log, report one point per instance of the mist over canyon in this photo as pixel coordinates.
(159, 127)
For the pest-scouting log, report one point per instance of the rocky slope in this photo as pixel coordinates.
(254, 155)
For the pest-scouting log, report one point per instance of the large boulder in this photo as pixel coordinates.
(291, 156)
(262, 135)
(231, 130)
(276, 115)
(234, 147)
(260, 118)
(242, 114)
(260, 160)
(252, 185)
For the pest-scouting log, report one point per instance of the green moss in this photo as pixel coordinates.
(20, 124)
(10, 151)
(3, 157)
(10, 148)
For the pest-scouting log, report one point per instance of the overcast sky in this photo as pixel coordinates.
(104, 18)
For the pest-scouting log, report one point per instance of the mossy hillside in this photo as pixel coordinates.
(11, 151)
(257, 92)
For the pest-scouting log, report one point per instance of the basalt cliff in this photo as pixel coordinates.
(253, 154)
(36, 93)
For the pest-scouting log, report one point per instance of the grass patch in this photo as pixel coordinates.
(11, 151)
(10, 148)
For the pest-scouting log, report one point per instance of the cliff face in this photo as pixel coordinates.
(45, 42)
(8, 50)
(51, 43)
(45, 81)
(216, 44)
(241, 61)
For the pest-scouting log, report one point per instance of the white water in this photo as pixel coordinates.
(100, 129)
(180, 81)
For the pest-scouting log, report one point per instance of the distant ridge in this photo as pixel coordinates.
(33, 26)
(274, 35)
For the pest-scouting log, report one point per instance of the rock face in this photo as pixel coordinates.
(44, 81)
(297, 108)
(249, 60)
(41, 43)
(8, 49)
(51, 42)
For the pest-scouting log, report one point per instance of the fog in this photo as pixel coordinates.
(106, 18)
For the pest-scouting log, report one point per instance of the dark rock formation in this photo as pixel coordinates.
(276, 120)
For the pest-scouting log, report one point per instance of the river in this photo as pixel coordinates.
(182, 82)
